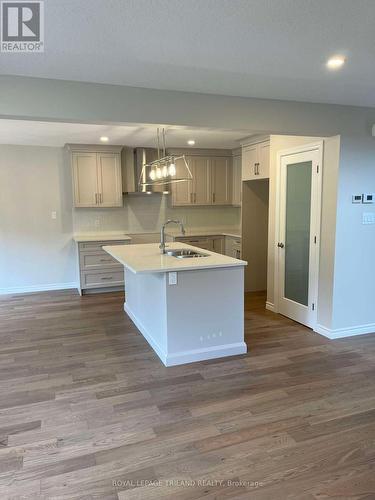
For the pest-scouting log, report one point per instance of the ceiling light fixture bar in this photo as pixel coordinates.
(163, 170)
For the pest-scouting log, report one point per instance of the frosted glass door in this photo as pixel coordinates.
(298, 241)
(297, 231)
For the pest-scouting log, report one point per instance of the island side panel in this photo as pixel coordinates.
(205, 315)
(145, 304)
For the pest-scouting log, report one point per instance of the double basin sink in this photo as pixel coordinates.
(185, 253)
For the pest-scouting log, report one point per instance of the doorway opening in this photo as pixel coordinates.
(281, 226)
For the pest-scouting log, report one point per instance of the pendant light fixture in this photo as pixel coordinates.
(163, 171)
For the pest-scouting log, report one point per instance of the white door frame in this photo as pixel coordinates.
(305, 148)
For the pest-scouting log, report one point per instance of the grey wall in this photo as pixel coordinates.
(354, 276)
(71, 101)
(36, 252)
(142, 213)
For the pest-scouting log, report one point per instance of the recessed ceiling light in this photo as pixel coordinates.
(104, 138)
(191, 142)
(335, 62)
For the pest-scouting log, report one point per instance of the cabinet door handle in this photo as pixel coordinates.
(213, 197)
(195, 197)
(258, 168)
(96, 198)
(191, 197)
(107, 278)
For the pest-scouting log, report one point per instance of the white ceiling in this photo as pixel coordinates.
(57, 134)
(259, 48)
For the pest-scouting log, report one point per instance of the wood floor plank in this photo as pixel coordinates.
(87, 411)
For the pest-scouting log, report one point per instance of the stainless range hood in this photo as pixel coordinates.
(143, 157)
(135, 176)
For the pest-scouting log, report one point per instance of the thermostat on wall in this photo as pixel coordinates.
(368, 198)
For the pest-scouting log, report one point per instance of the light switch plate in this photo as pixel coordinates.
(356, 198)
(172, 278)
(368, 218)
(53, 215)
(368, 198)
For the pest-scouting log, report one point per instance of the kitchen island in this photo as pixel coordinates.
(188, 309)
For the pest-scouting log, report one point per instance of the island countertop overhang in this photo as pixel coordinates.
(146, 258)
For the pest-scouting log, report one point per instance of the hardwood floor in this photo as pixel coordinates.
(87, 410)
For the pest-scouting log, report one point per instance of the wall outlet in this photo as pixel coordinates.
(53, 215)
(172, 278)
(368, 218)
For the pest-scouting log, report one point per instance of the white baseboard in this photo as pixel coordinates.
(181, 358)
(38, 288)
(221, 351)
(340, 333)
(270, 306)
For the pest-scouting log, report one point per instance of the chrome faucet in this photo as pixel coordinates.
(162, 233)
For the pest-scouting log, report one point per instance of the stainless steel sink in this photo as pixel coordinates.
(185, 253)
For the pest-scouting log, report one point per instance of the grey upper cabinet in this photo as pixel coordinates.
(182, 192)
(201, 180)
(109, 176)
(85, 179)
(96, 177)
(237, 181)
(263, 171)
(256, 161)
(211, 183)
(221, 181)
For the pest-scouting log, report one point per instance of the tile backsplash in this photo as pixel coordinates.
(146, 213)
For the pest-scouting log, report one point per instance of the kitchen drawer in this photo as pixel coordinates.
(96, 280)
(98, 260)
(94, 246)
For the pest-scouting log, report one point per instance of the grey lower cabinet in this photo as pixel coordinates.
(233, 247)
(98, 271)
(212, 243)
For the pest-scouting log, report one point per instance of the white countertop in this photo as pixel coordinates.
(191, 233)
(103, 236)
(147, 258)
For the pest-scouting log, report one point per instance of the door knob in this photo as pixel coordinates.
(280, 245)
